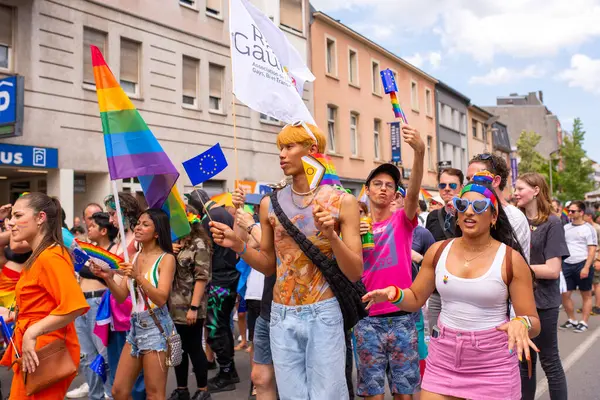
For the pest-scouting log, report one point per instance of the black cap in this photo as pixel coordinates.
(196, 198)
(389, 169)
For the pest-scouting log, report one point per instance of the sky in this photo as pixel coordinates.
(490, 48)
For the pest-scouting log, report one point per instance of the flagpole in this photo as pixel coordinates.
(123, 239)
(235, 151)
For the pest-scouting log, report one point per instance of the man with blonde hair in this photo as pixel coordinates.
(307, 327)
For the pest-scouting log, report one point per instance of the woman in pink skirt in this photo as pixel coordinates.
(474, 353)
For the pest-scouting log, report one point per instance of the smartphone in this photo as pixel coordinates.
(435, 332)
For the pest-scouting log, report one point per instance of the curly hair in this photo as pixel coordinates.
(495, 164)
(129, 207)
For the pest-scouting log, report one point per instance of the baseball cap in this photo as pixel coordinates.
(196, 198)
(389, 169)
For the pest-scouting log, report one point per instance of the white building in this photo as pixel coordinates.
(171, 56)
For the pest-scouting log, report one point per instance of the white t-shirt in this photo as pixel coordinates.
(579, 238)
(254, 285)
(518, 221)
(423, 218)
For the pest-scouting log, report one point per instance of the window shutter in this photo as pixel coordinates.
(95, 38)
(214, 5)
(291, 14)
(6, 26)
(190, 76)
(129, 61)
(216, 81)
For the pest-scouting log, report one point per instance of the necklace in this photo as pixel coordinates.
(312, 198)
(468, 260)
(302, 194)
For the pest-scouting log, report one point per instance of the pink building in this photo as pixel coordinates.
(354, 112)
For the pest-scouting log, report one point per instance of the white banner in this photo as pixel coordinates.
(268, 72)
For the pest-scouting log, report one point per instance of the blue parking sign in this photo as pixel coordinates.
(8, 100)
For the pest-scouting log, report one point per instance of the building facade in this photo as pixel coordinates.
(173, 59)
(528, 113)
(451, 126)
(479, 132)
(354, 112)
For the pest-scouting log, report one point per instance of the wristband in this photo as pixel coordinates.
(194, 308)
(243, 251)
(249, 230)
(524, 320)
(398, 297)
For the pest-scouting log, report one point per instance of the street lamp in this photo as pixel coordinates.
(550, 170)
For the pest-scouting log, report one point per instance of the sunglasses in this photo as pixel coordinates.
(442, 186)
(573, 211)
(479, 206)
(486, 157)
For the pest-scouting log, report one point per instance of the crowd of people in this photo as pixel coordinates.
(457, 298)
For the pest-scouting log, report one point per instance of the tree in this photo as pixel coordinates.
(574, 178)
(530, 159)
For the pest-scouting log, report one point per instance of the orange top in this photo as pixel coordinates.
(49, 287)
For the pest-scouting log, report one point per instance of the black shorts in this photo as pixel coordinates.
(572, 277)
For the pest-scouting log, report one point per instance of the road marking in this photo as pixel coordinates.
(542, 384)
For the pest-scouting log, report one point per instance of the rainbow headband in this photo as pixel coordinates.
(482, 177)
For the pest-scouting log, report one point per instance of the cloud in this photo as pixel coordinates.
(421, 60)
(503, 75)
(482, 29)
(584, 73)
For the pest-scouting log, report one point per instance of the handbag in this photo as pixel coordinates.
(348, 293)
(174, 346)
(55, 364)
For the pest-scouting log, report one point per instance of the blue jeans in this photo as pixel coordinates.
(144, 336)
(91, 346)
(116, 342)
(309, 351)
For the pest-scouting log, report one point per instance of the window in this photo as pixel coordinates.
(188, 2)
(428, 103)
(354, 133)
(474, 127)
(331, 115)
(376, 77)
(455, 120)
(463, 123)
(429, 153)
(447, 117)
(6, 36)
(331, 57)
(215, 99)
(190, 81)
(95, 38)
(376, 141)
(267, 119)
(353, 67)
(213, 7)
(291, 14)
(130, 68)
(414, 95)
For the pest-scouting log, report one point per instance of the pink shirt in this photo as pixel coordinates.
(389, 262)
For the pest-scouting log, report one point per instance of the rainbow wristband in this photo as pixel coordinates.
(399, 296)
(524, 321)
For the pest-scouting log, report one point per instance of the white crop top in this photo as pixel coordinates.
(472, 304)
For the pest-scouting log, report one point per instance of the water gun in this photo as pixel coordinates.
(389, 87)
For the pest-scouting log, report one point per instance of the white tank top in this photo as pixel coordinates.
(472, 304)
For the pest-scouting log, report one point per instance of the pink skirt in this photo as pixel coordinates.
(472, 365)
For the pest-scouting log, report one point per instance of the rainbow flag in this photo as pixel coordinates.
(565, 213)
(426, 195)
(132, 150)
(8, 283)
(398, 113)
(101, 257)
(362, 196)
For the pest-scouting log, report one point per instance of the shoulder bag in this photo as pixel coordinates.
(348, 293)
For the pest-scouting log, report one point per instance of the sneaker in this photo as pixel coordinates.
(581, 327)
(221, 383)
(79, 393)
(235, 378)
(568, 325)
(180, 394)
(201, 395)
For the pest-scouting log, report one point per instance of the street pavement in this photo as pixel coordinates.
(580, 353)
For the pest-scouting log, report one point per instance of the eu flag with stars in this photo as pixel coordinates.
(206, 165)
(99, 367)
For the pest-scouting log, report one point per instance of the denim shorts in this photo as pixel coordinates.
(387, 346)
(144, 335)
(262, 342)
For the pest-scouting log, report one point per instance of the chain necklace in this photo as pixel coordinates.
(302, 207)
(301, 194)
(468, 260)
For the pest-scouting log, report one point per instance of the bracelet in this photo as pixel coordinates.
(243, 251)
(398, 297)
(249, 230)
(524, 320)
